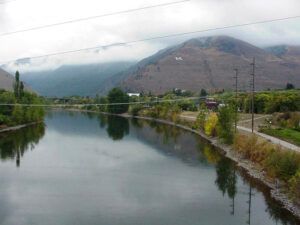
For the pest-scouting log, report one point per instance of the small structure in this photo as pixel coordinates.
(211, 103)
(134, 94)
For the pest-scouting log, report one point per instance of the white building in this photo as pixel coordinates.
(134, 94)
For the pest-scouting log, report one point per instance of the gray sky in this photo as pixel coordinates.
(185, 17)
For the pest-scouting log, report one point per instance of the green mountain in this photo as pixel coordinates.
(81, 80)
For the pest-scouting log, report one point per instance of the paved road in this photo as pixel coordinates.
(268, 137)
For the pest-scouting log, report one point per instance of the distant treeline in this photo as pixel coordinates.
(268, 102)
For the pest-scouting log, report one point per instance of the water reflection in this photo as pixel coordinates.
(177, 142)
(152, 174)
(116, 127)
(14, 144)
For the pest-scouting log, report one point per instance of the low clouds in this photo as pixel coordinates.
(185, 17)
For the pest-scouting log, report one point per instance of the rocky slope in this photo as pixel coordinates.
(210, 62)
(7, 81)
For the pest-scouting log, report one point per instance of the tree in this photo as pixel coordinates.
(17, 84)
(289, 86)
(226, 118)
(202, 116)
(21, 90)
(203, 92)
(116, 95)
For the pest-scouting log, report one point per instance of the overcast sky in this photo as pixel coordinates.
(184, 17)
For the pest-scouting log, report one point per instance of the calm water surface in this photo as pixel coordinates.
(93, 169)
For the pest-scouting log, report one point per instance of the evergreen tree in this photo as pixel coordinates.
(21, 90)
(17, 84)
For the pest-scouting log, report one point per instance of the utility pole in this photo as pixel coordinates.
(236, 107)
(253, 89)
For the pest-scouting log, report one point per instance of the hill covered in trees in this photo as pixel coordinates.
(80, 80)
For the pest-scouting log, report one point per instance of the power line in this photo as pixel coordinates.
(92, 17)
(6, 2)
(133, 103)
(107, 104)
(155, 38)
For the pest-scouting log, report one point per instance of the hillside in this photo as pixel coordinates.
(81, 80)
(7, 81)
(209, 63)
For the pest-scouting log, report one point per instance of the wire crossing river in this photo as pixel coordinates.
(94, 169)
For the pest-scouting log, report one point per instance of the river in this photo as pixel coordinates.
(83, 168)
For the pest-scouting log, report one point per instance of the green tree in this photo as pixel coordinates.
(226, 118)
(289, 86)
(202, 116)
(116, 95)
(21, 90)
(203, 92)
(17, 85)
(17, 115)
(102, 101)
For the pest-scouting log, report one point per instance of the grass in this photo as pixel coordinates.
(286, 134)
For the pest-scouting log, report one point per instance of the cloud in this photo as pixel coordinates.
(185, 17)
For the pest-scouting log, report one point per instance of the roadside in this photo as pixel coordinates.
(245, 125)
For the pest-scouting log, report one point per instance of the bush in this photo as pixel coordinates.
(135, 109)
(282, 164)
(211, 124)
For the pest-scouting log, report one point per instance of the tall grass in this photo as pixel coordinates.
(277, 162)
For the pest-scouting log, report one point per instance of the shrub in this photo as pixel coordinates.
(294, 183)
(282, 164)
(135, 109)
(211, 124)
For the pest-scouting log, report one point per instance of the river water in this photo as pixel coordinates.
(81, 168)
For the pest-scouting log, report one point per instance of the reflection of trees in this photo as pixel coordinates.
(168, 132)
(275, 209)
(117, 127)
(14, 144)
(102, 120)
(226, 177)
(137, 123)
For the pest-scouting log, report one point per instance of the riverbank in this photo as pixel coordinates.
(278, 191)
(18, 127)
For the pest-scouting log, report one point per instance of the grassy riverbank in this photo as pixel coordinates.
(280, 166)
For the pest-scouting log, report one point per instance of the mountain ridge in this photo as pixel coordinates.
(209, 63)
